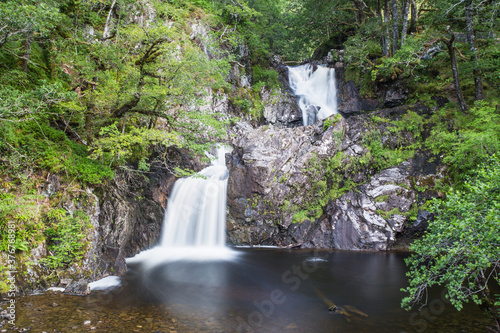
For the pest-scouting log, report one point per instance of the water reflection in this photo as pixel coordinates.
(269, 290)
(262, 290)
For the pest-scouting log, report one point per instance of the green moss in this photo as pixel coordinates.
(382, 198)
(40, 221)
(411, 214)
(300, 216)
(331, 121)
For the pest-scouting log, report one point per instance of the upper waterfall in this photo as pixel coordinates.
(316, 90)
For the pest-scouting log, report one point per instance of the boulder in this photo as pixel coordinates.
(280, 108)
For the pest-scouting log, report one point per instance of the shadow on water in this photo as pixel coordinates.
(263, 290)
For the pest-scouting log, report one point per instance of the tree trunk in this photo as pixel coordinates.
(414, 18)
(454, 69)
(471, 39)
(27, 51)
(395, 29)
(404, 30)
(361, 14)
(384, 38)
(386, 28)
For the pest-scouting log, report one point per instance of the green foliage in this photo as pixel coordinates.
(460, 248)
(380, 156)
(405, 60)
(24, 211)
(181, 173)
(490, 63)
(40, 222)
(46, 147)
(248, 102)
(17, 104)
(82, 86)
(357, 51)
(4, 275)
(115, 147)
(466, 139)
(267, 77)
(65, 237)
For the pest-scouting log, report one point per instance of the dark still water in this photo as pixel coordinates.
(262, 290)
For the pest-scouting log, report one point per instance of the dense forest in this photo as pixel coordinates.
(89, 88)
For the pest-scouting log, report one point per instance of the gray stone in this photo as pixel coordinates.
(269, 175)
(280, 108)
(79, 287)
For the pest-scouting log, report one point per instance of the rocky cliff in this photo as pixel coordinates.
(321, 185)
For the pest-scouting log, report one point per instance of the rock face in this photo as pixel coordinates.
(357, 217)
(274, 172)
(387, 95)
(280, 108)
(128, 224)
(349, 99)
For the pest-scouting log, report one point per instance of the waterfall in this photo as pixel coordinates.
(196, 211)
(316, 91)
(194, 226)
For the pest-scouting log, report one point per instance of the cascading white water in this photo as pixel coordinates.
(196, 211)
(316, 91)
(194, 227)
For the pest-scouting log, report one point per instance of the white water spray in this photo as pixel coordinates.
(316, 91)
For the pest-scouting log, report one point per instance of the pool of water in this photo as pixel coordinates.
(262, 290)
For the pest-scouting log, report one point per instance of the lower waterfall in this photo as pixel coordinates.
(315, 88)
(196, 211)
(194, 226)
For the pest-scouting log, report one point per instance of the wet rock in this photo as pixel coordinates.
(200, 34)
(420, 225)
(65, 282)
(349, 100)
(239, 74)
(128, 224)
(79, 287)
